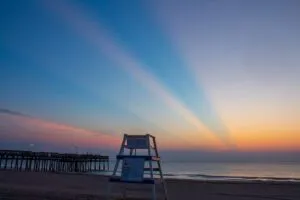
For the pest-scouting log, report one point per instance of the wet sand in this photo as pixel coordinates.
(50, 186)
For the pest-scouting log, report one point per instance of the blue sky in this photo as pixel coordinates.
(204, 71)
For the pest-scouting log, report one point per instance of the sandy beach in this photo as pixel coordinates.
(37, 185)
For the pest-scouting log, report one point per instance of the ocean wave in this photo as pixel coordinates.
(229, 178)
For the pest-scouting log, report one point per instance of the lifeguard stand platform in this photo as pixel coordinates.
(138, 154)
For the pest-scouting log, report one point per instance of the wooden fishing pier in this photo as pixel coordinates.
(52, 162)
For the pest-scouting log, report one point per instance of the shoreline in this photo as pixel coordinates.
(204, 177)
(224, 179)
(15, 185)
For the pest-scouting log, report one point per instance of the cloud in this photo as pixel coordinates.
(10, 112)
(17, 127)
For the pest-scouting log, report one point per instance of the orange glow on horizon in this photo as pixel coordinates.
(268, 141)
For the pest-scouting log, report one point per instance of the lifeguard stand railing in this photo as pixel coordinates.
(138, 154)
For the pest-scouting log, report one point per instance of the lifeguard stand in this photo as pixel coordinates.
(134, 163)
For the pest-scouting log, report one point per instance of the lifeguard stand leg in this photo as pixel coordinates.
(151, 169)
(108, 195)
(120, 152)
(160, 172)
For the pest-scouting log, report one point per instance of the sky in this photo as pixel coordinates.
(201, 76)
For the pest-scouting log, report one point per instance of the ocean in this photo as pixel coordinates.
(235, 171)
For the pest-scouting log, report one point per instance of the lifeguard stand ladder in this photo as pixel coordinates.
(134, 165)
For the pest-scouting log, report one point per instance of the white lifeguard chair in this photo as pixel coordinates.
(134, 163)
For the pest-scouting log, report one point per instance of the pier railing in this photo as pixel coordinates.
(52, 162)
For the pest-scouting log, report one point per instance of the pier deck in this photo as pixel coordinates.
(52, 162)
